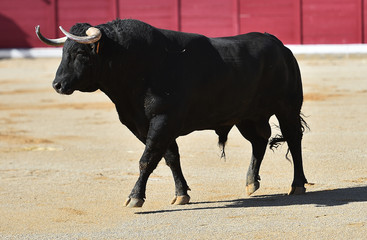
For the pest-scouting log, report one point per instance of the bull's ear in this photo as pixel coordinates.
(95, 47)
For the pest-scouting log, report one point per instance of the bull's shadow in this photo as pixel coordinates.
(322, 198)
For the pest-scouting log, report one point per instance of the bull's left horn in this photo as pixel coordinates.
(93, 35)
(52, 42)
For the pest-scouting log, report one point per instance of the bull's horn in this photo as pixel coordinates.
(53, 42)
(93, 35)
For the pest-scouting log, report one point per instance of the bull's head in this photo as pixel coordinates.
(77, 70)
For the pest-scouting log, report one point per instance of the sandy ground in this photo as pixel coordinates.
(67, 165)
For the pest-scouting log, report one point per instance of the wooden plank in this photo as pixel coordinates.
(211, 18)
(18, 21)
(332, 21)
(91, 11)
(159, 13)
(364, 21)
(281, 18)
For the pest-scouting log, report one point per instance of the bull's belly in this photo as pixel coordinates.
(211, 120)
(211, 117)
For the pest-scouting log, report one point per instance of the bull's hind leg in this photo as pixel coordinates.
(258, 134)
(292, 130)
(172, 158)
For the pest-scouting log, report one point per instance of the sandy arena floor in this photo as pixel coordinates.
(67, 165)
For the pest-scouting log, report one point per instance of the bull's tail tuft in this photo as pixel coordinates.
(278, 140)
(222, 144)
(304, 125)
(223, 137)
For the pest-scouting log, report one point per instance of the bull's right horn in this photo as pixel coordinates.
(93, 35)
(52, 42)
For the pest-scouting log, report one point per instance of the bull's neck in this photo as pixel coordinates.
(125, 73)
(122, 86)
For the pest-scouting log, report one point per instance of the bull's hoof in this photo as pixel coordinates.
(134, 203)
(252, 187)
(181, 200)
(297, 191)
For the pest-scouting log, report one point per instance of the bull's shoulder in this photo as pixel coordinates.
(133, 34)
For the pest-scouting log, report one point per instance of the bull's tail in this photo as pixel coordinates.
(294, 103)
(278, 140)
(223, 137)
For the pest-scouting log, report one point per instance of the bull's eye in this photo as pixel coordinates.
(80, 52)
(81, 57)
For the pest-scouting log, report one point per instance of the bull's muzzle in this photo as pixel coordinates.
(62, 88)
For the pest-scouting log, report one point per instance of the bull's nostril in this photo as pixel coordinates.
(57, 86)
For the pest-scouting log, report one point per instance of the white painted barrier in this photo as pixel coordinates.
(329, 49)
(31, 53)
(296, 49)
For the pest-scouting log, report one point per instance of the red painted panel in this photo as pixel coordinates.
(332, 21)
(159, 13)
(293, 21)
(278, 17)
(91, 11)
(19, 20)
(209, 17)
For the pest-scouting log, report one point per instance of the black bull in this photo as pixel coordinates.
(166, 84)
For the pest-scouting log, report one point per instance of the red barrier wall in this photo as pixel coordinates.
(332, 21)
(17, 22)
(159, 13)
(281, 18)
(68, 12)
(208, 17)
(293, 21)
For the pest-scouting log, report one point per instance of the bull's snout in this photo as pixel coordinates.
(62, 88)
(56, 86)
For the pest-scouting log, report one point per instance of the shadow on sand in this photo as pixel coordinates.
(323, 198)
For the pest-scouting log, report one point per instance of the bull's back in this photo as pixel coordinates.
(249, 75)
(260, 66)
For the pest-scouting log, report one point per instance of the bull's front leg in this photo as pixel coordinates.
(158, 139)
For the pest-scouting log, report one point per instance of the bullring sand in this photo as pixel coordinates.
(67, 165)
